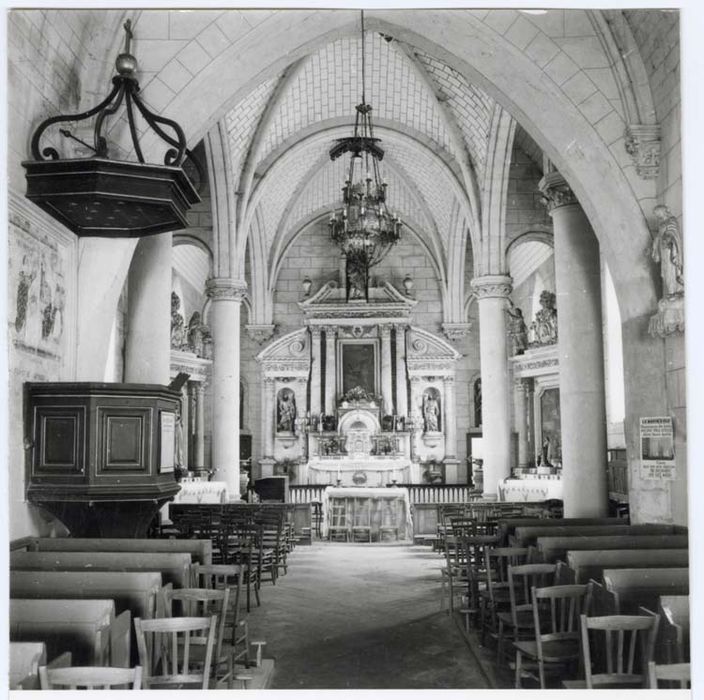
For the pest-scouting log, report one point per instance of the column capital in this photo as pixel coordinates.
(492, 286)
(330, 331)
(260, 332)
(385, 330)
(269, 380)
(400, 327)
(316, 332)
(556, 192)
(449, 379)
(218, 288)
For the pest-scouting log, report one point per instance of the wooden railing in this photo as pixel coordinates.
(418, 493)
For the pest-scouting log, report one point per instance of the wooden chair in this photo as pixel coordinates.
(90, 678)
(617, 665)
(518, 622)
(362, 520)
(219, 576)
(339, 528)
(165, 651)
(556, 615)
(496, 597)
(679, 674)
(389, 523)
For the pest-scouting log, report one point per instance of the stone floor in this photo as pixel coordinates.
(363, 616)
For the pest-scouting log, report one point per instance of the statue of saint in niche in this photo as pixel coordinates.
(431, 413)
(178, 332)
(666, 249)
(286, 411)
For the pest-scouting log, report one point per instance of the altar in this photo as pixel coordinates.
(387, 509)
(537, 488)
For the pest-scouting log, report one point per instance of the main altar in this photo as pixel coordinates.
(359, 397)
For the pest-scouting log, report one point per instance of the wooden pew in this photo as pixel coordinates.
(201, 551)
(87, 628)
(136, 591)
(25, 660)
(176, 568)
(550, 549)
(634, 588)
(588, 564)
(508, 526)
(527, 535)
(672, 646)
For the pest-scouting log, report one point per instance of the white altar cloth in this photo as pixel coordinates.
(393, 502)
(196, 491)
(530, 490)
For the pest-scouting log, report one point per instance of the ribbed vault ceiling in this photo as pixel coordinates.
(433, 123)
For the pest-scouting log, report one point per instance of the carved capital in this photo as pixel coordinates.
(642, 143)
(385, 331)
(556, 192)
(260, 333)
(492, 286)
(315, 333)
(449, 381)
(330, 332)
(456, 331)
(269, 381)
(218, 288)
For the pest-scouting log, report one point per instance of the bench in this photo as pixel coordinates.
(175, 568)
(508, 526)
(634, 588)
(550, 549)
(88, 629)
(25, 660)
(136, 591)
(588, 564)
(527, 535)
(201, 551)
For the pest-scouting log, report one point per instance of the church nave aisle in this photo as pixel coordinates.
(361, 616)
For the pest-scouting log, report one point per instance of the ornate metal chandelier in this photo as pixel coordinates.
(364, 228)
(102, 196)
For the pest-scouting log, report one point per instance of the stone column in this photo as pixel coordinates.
(519, 403)
(315, 370)
(266, 463)
(450, 426)
(491, 292)
(386, 383)
(268, 417)
(199, 442)
(226, 298)
(148, 337)
(185, 422)
(330, 375)
(401, 381)
(581, 352)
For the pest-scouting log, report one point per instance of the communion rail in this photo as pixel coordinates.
(418, 493)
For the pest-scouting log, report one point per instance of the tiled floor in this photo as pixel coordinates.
(362, 616)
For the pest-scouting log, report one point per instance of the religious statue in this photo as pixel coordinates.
(26, 278)
(666, 249)
(544, 328)
(286, 412)
(517, 328)
(356, 279)
(431, 413)
(546, 453)
(178, 333)
(196, 334)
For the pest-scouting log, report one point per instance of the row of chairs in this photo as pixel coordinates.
(350, 520)
(538, 617)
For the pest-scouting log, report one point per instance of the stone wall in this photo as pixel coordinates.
(41, 333)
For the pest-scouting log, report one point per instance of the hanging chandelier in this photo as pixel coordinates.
(364, 228)
(104, 197)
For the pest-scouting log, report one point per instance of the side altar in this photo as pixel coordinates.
(359, 397)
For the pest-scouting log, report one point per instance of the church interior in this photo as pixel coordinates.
(355, 336)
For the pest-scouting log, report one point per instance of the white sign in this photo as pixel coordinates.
(168, 441)
(657, 449)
